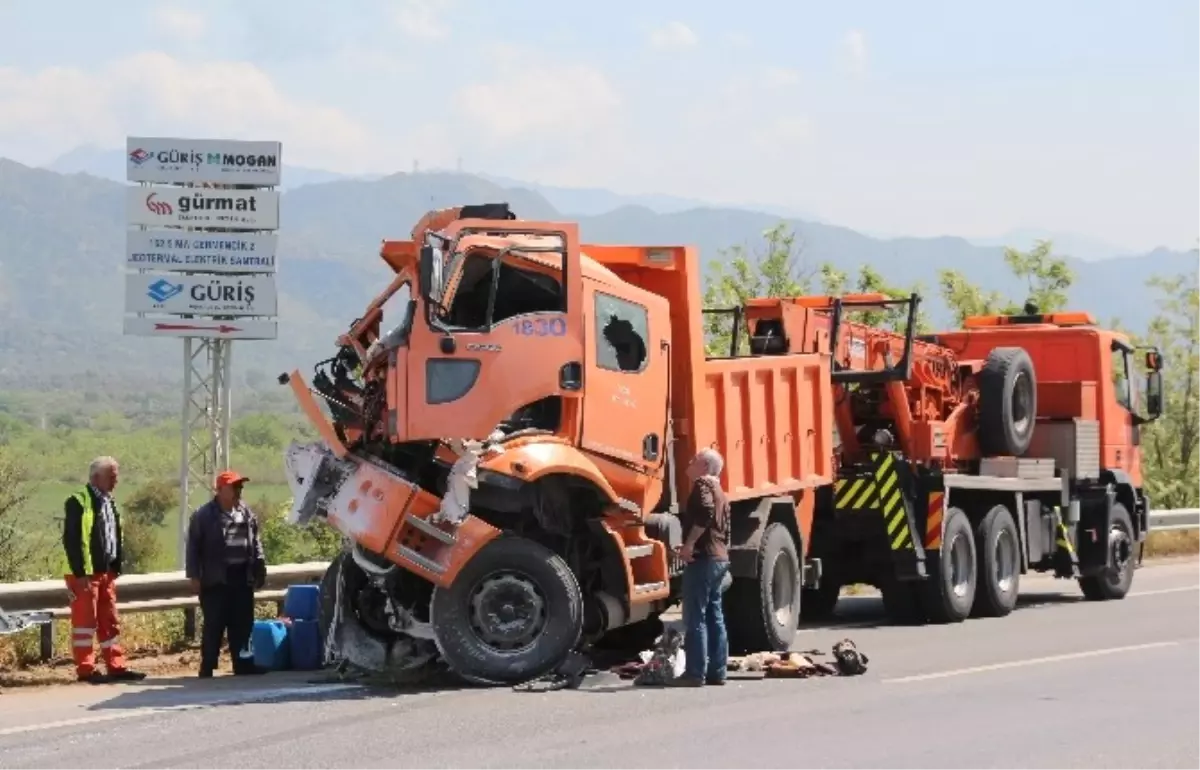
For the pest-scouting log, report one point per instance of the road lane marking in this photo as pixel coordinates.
(1158, 591)
(234, 698)
(1031, 662)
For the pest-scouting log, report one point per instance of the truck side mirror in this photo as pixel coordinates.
(1154, 394)
(425, 271)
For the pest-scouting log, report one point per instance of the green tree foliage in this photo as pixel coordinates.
(1047, 276)
(285, 543)
(1169, 445)
(15, 550)
(777, 269)
(153, 501)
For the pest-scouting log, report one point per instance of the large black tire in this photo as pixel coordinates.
(512, 614)
(1007, 403)
(763, 612)
(949, 589)
(1114, 582)
(998, 545)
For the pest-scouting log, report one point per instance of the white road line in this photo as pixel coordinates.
(1030, 662)
(1158, 591)
(252, 696)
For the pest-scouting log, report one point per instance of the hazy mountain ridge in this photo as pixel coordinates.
(62, 241)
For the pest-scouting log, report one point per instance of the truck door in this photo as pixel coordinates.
(1122, 436)
(506, 348)
(627, 359)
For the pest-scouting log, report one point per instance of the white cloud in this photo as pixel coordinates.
(180, 22)
(674, 35)
(572, 100)
(781, 77)
(854, 47)
(421, 18)
(44, 112)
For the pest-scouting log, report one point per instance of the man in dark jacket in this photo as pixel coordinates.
(225, 563)
(91, 563)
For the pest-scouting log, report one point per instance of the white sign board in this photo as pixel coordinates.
(221, 161)
(159, 205)
(251, 329)
(205, 295)
(199, 251)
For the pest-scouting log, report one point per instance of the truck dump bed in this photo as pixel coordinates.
(772, 419)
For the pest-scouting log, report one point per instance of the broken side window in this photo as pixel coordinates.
(622, 328)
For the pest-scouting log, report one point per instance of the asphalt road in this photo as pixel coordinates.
(1060, 683)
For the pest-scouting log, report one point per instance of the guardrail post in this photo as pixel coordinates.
(189, 624)
(47, 642)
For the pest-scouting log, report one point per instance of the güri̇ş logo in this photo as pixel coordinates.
(162, 290)
(139, 156)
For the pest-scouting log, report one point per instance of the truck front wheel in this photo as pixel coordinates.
(1114, 581)
(512, 614)
(763, 612)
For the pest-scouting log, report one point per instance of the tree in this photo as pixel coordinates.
(1169, 444)
(871, 281)
(16, 551)
(286, 543)
(1048, 278)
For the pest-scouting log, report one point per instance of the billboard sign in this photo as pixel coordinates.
(159, 205)
(200, 251)
(220, 161)
(250, 329)
(204, 295)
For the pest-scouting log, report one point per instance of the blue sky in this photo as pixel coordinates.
(916, 118)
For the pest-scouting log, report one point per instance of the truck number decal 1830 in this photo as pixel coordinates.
(540, 327)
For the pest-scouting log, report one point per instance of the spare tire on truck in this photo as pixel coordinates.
(512, 614)
(1007, 403)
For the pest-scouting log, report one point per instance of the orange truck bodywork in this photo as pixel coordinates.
(1018, 429)
(589, 362)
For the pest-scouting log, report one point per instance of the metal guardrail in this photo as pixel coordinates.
(1178, 519)
(158, 591)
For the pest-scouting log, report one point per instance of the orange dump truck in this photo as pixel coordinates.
(508, 427)
(970, 457)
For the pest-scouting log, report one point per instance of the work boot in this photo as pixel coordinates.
(125, 675)
(93, 678)
(206, 673)
(249, 670)
(686, 681)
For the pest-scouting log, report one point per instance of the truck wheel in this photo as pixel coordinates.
(513, 614)
(764, 612)
(1114, 581)
(997, 543)
(1007, 403)
(950, 587)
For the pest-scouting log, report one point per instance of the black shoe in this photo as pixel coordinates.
(206, 673)
(249, 671)
(94, 678)
(686, 681)
(715, 682)
(125, 675)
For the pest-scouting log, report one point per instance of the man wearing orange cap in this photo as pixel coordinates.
(225, 563)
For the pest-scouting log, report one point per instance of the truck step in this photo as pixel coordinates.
(426, 564)
(643, 588)
(431, 529)
(638, 551)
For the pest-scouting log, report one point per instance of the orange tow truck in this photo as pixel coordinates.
(970, 457)
(508, 426)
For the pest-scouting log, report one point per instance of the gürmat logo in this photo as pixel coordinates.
(139, 156)
(162, 208)
(162, 290)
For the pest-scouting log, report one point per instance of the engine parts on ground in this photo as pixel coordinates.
(848, 661)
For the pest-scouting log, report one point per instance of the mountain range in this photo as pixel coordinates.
(62, 245)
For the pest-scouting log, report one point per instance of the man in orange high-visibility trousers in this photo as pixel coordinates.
(91, 564)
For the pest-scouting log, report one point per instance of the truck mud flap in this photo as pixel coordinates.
(884, 487)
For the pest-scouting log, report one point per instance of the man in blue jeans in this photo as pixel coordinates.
(705, 550)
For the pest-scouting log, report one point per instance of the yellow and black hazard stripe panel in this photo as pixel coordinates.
(1065, 558)
(891, 501)
(936, 511)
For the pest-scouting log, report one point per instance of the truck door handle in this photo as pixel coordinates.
(650, 447)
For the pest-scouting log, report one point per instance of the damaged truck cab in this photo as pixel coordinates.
(508, 424)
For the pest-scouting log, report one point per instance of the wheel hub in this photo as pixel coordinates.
(507, 611)
(960, 565)
(1121, 547)
(1005, 561)
(783, 591)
